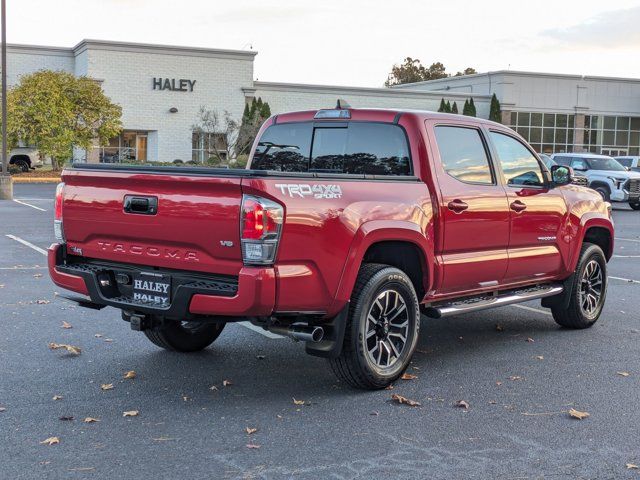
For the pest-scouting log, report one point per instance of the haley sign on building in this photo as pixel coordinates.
(181, 85)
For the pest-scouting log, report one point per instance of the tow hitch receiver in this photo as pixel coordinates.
(140, 322)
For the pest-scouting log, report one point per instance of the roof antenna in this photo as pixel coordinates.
(341, 104)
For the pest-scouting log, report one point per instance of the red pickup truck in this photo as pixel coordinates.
(345, 226)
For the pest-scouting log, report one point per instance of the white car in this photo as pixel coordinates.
(25, 158)
(631, 162)
(606, 175)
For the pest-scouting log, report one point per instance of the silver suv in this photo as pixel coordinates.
(606, 175)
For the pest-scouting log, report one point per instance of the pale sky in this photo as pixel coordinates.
(355, 42)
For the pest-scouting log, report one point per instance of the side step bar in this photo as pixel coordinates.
(499, 300)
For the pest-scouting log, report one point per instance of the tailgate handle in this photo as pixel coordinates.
(141, 205)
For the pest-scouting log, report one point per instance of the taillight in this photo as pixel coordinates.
(260, 227)
(57, 214)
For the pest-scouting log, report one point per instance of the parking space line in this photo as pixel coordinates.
(28, 244)
(627, 239)
(37, 267)
(626, 256)
(628, 280)
(261, 331)
(28, 205)
(532, 309)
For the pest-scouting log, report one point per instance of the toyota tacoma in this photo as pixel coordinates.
(345, 226)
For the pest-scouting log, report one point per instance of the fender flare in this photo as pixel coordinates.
(377, 231)
(588, 221)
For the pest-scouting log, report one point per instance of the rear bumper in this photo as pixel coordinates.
(254, 294)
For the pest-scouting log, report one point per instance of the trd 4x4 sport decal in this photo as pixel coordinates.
(303, 190)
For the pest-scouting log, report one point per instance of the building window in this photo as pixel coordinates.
(208, 147)
(612, 135)
(128, 147)
(546, 132)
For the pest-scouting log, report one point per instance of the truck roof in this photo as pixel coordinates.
(377, 114)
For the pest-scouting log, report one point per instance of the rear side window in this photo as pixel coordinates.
(284, 148)
(355, 148)
(463, 154)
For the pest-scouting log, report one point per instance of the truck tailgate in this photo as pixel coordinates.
(195, 225)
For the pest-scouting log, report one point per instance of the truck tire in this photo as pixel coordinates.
(185, 336)
(382, 328)
(23, 165)
(635, 205)
(588, 290)
(604, 191)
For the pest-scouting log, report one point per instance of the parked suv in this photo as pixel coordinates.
(606, 175)
(346, 224)
(578, 177)
(630, 162)
(25, 158)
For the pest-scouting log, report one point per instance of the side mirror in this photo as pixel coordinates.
(561, 175)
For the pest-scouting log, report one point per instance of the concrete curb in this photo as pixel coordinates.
(35, 180)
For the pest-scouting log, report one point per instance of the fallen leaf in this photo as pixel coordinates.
(37, 275)
(298, 402)
(2, 409)
(498, 383)
(631, 466)
(389, 387)
(213, 387)
(69, 348)
(623, 374)
(66, 418)
(400, 399)
(408, 376)
(185, 398)
(90, 420)
(375, 414)
(530, 340)
(499, 328)
(66, 325)
(50, 441)
(253, 445)
(42, 302)
(260, 357)
(1, 285)
(108, 340)
(462, 404)
(539, 357)
(130, 413)
(226, 383)
(162, 439)
(515, 377)
(98, 335)
(130, 375)
(106, 386)
(250, 430)
(578, 414)
(57, 397)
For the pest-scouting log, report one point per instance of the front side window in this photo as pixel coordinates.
(463, 154)
(519, 165)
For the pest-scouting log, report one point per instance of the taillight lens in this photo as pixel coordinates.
(57, 214)
(260, 227)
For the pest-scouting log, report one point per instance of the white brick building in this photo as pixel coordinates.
(158, 122)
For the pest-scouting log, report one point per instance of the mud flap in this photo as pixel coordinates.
(331, 344)
(562, 300)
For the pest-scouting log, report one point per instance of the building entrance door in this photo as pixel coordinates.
(141, 148)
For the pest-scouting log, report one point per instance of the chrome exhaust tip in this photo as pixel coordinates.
(300, 332)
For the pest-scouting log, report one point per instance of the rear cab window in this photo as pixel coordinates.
(358, 148)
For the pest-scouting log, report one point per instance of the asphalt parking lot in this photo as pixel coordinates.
(518, 371)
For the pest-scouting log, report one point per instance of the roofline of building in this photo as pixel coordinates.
(131, 47)
(337, 90)
(521, 73)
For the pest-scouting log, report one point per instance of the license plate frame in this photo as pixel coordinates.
(152, 289)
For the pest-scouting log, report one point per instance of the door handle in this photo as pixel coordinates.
(457, 206)
(517, 206)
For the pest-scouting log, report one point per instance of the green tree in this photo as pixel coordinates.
(495, 113)
(454, 108)
(466, 71)
(57, 111)
(465, 108)
(447, 107)
(443, 106)
(472, 108)
(411, 71)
